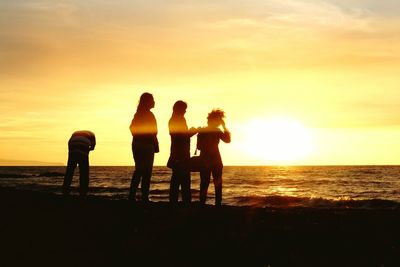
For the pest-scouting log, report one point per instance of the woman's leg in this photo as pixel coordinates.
(134, 185)
(174, 186)
(204, 183)
(217, 179)
(185, 186)
(137, 173)
(148, 160)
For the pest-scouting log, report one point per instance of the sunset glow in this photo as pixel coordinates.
(330, 66)
(278, 140)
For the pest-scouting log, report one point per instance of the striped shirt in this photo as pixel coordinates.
(82, 142)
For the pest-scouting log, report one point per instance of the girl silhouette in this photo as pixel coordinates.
(208, 141)
(144, 144)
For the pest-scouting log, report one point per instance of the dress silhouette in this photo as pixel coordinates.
(144, 144)
(79, 146)
(208, 141)
(180, 154)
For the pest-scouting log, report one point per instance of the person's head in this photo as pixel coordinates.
(215, 117)
(146, 102)
(179, 107)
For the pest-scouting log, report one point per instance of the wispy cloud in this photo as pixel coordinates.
(313, 15)
(384, 9)
(109, 37)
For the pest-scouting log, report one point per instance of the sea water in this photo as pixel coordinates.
(260, 186)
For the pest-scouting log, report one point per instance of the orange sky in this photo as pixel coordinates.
(330, 65)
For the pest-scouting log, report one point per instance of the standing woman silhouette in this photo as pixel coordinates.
(180, 154)
(208, 141)
(144, 144)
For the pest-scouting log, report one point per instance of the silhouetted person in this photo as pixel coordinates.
(180, 154)
(208, 140)
(79, 146)
(144, 145)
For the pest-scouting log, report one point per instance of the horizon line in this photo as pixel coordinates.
(273, 165)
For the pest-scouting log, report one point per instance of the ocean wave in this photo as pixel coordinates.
(166, 191)
(311, 202)
(50, 174)
(14, 175)
(323, 187)
(19, 175)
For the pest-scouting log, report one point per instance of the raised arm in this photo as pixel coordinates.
(226, 135)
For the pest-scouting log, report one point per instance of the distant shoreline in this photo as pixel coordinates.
(27, 163)
(226, 166)
(255, 166)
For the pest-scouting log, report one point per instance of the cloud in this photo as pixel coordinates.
(232, 23)
(386, 9)
(297, 14)
(114, 39)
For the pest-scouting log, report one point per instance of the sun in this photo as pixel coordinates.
(279, 140)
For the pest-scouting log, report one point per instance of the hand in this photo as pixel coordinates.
(193, 131)
(223, 124)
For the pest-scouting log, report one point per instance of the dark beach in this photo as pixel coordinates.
(39, 229)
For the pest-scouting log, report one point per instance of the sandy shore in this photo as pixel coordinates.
(47, 230)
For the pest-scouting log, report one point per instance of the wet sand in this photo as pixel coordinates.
(48, 230)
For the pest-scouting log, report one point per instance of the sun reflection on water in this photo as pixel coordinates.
(283, 191)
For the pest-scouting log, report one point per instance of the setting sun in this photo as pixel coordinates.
(279, 140)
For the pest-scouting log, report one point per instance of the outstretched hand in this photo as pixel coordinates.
(194, 130)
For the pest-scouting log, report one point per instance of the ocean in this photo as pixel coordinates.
(264, 186)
